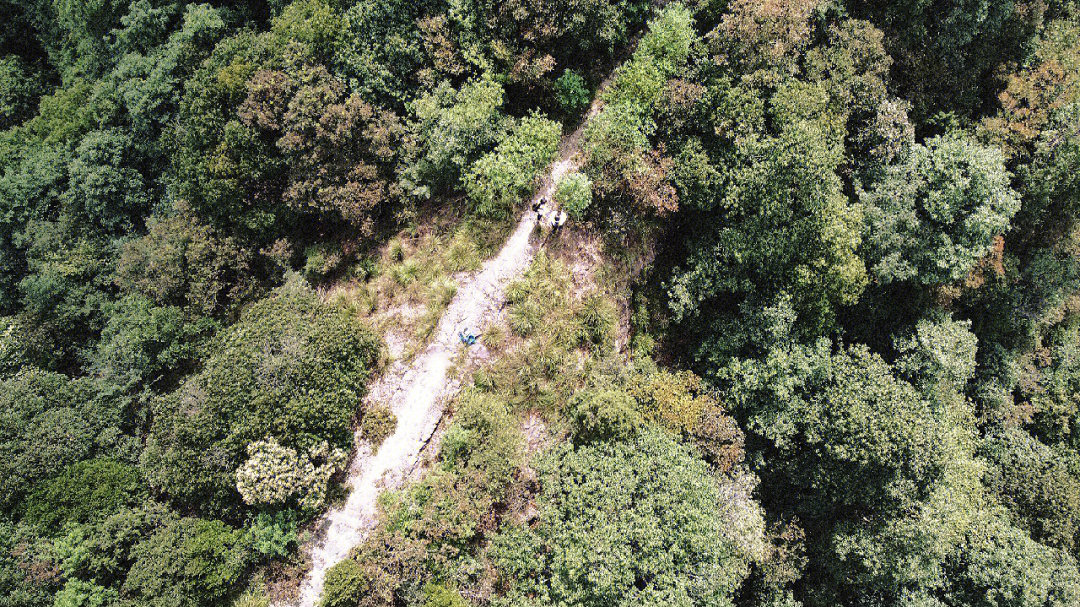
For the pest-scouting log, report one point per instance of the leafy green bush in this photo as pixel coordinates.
(274, 535)
(437, 595)
(47, 422)
(321, 260)
(572, 92)
(484, 440)
(142, 342)
(453, 128)
(609, 414)
(103, 551)
(501, 178)
(293, 368)
(574, 194)
(623, 522)
(188, 563)
(345, 585)
(77, 593)
(377, 424)
(84, 492)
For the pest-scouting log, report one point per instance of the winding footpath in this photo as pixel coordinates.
(418, 393)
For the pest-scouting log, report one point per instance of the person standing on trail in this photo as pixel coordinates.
(538, 208)
(557, 221)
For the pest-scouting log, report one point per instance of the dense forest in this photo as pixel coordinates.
(810, 338)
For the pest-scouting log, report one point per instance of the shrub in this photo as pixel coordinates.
(574, 194)
(47, 422)
(603, 415)
(275, 476)
(572, 92)
(320, 260)
(345, 585)
(377, 424)
(596, 318)
(498, 180)
(143, 342)
(484, 439)
(77, 593)
(188, 563)
(83, 492)
(273, 535)
(622, 523)
(438, 595)
(293, 367)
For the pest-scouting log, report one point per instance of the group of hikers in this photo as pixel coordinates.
(556, 217)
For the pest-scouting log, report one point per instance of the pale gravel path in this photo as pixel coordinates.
(417, 393)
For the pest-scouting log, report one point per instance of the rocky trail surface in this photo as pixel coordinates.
(418, 392)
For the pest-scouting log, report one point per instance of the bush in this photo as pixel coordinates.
(498, 180)
(604, 415)
(47, 422)
(142, 343)
(345, 585)
(622, 523)
(438, 595)
(320, 260)
(188, 563)
(572, 92)
(484, 439)
(274, 535)
(574, 194)
(274, 475)
(293, 367)
(84, 492)
(77, 593)
(378, 423)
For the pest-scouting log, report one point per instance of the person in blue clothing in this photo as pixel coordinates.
(467, 336)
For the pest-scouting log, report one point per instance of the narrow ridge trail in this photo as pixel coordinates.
(417, 393)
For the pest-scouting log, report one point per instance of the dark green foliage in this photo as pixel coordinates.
(142, 343)
(293, 367)
(26, 580)
(935, 214)
(49, 421)
(857, 220)
(1037, 483)
(187, 563)
(19, 90)
(105, 551)
(185, 263)
(947, 50)
(65, 293)
(847, 434)
(84, 492)
(604, 415)
(632, 523)
(104, 186)
(345, 585)
(572, 92)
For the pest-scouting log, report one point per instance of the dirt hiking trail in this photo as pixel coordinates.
(418, 392)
